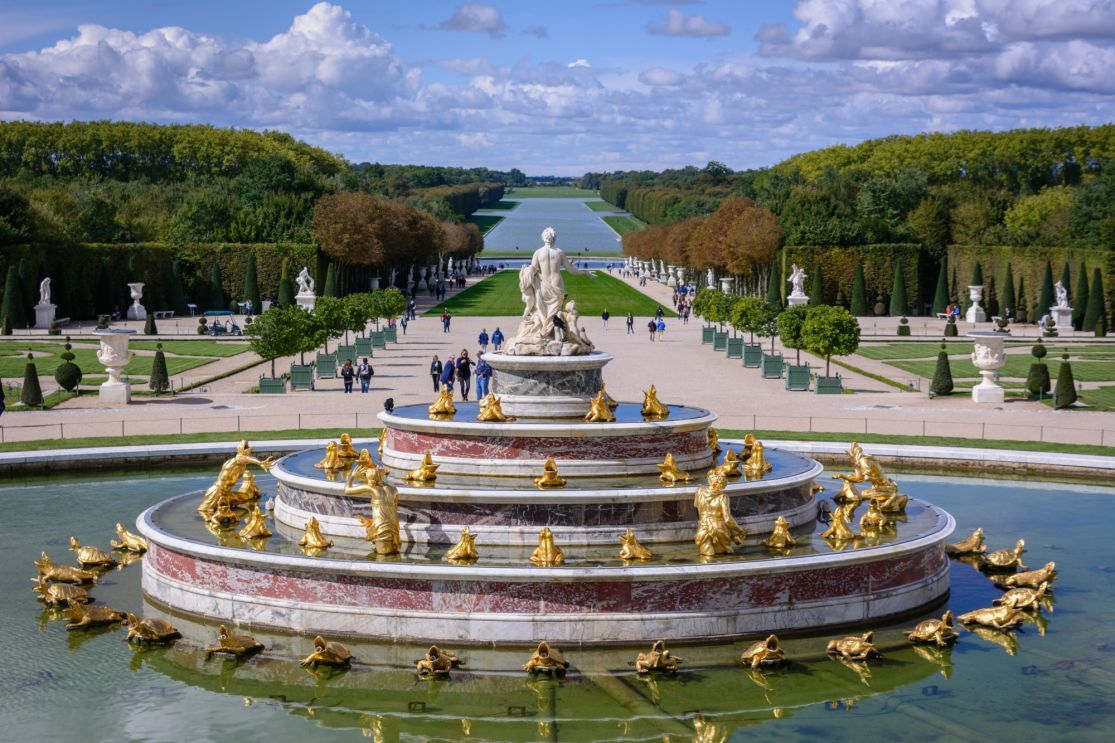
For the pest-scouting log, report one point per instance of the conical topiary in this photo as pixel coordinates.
(103, 296)
(942, 375)
(160, 379)
(774, 287)
(859, 292)
(817, 286)
(1007, 301)
(950, 327)
(12, 308)
(898, 292)
(251, 285)
(217, 298)
(1066, 279)
(1064, 394)
(1037, 381)
(1022, 314)
(32, 394)
(1094, 314)
(286, 286)
(903, 326)
(1045, 298)
(1080, 299)
(176, 294)
(330, 281)
(68, 374)
(991, 298)
(977, 275)
(941, 295)
(149, 325)
(25, 291)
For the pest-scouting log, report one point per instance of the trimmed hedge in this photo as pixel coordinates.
(837, 267)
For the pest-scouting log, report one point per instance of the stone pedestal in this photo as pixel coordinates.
(726, 283)
(797, 301)
(114, 355)
(305, 301)
(374, 283)
(547, 386)
(989, 358)
(1062, 319)
(44, 315)
(975, 313)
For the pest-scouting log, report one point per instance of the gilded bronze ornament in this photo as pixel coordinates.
(670, 473)
(714, 441)
(780, 538)
(223, 517)
(717, 530)
(547, 554)
(599, 410)
(332, 459)
(941, 632)
(382, 441)
(630, 549)
(973, 545)
(550, 478)
(1008, 641)
(854, 648)
(1024, 599)
(763, 652)
(465, 548)
(1005, 559)
(882, 489)
(998, 617)
(658, 660)
(652, 408)
(235, 645)
(59, 594)
(150, 631)
(382, 529)
(424, 472)
(1029, 579)
(52, 571)
(437, 662)
(128, 542)
(313, 538)
(256, 525)
(345, 450)
(91, 557)
(443, 406)
(328, 654)
(755, 464)
(491, 410)
(248, 492)
(731, 465)
(840, 529)
(546, 660)
(82, 616)
(874, 520)
(231, 472)
(848, 494)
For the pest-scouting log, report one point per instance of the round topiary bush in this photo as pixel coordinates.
(1039, 350)
(160, 379)
(202, 326)
(904, 326)
(102, 322)
(68, 374)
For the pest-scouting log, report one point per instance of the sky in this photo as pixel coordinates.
(567, 87)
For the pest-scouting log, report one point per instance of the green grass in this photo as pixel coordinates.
(623, 225)
(503, 205)
(498, 296)
(188, 438)
(13, 360)
(485, 222)
(1018, 366)
(602, 206)
(1102, 399)
(929, 349)
(213, 349)
(549, 192)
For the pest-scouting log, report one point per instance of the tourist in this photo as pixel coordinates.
(446, 318)
(685, 315)
(652, 326)
(660, 327)
(630, 324)
(497, 339)
(1, 398)
(412, 309)
(464, 373)
(658, 313)
(483, 377)
(435, 372)
(447, 372)
(604, 316)
(483, 340)
(347, 375)
(365, 372)
(403, 322)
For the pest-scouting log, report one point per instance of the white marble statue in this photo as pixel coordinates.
(1062, 295)
(710, 279)
(44, 291)
(393, 272)
(797, 280)
(544, 330)
(305, 281)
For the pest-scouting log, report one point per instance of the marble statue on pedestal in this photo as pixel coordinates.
(44, 291)
(44, 310)
(797, 286)
(1061, 312)
(305, 297)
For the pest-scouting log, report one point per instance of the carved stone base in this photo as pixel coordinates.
(44, 315)
(115, 394)
(137, 312)
(547, 386)
(305, 301)
(1062, 319)
(797, 301)
(988, 391)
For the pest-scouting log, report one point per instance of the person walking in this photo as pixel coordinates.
(365, 372)
(660, 327)
(652, 326)
(604, 316)
(464, 373)
(403, 323)
(483, 377)
(412, 309)
(483, 340)
(435, 373)
(630, 324)
(685, 315)
(446, 318)
(497, 339)
(347, 375)
(658, 313)
(447, 373)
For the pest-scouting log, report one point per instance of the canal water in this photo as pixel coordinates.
(579, 229)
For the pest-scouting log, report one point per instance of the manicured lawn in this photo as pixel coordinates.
(549, 192)
(1018, 366)
(1100, 399)
(890, 351)
(601, 206)
(498, 296)
(13, 360)
(623, 225)
(214, 349)
(485, 222)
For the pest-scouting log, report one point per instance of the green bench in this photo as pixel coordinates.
(752, 355)
(326, 366)
(797, 377)
(391, 334)
(772, 366)
(719, 341)
(735, 348)
(707, 334)
(271, 385)
(301, 376)
(346, 352)
(364, 348)
(833, 385)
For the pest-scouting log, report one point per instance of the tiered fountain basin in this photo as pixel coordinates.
(594, 598)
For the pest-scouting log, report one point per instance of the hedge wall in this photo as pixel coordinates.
(838, 266)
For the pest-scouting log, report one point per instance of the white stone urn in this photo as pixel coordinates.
(681, 275)
(726, 283)
(672, 281)
(975, 312)
(989, 358)
(114, 355)
(136, 311)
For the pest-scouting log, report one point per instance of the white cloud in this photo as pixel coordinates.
(660, 76)
(475, 17)
(582, 62)
(677, 24)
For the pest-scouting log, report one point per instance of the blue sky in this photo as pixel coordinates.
(565, 87)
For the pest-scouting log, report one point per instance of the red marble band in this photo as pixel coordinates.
(588, 448)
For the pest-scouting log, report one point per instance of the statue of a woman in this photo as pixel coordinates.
(717, 530)
(44, 291)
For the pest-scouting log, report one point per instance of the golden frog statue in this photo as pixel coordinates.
(717, 530)
(150, 631)
(652, 408)
(382, 529)
(658, 660)
(91, 557)
(763, 652)
(612, 404)
(942, 632)
(973, 545)
(231, 472)
(840, 529)
(345, 450)
(847, 494)
(1024, 599)
(62, 594)
(874, 520)
(424, 472)
(382, 441)
(332, 459)
(630, 549)
(999, 617)
(128, 542)
(854, 648)
(547, 554)
(599, 411)
(1005, 559)
(491, 410)
(550, 478)
(256, 526)
(670, 472)
(1029, 579)
(223, 517)
(714, 441)
(780, 538)
(867, 469)
(465, 548)
(546, 660)
(731, 465)
(328, 654)
(443, 406)
(756, 464)
(52, 571)
(235, 645)
(313, 538)
(83, 617)
(437, 662)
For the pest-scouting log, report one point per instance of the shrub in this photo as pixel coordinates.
(789, 327)
(1064, 395)
(1037, 381)
(202, 326)
(898, 303)
(903, 326)
(54, 329)
(12, 308)
(830, 331)
(149, 325)
(160, 379)
(32, 394)
(941, 294)
(102, 322)
(950, 328)
(859, 292)
(330, 281)
(774, 286)
(68, 374)
(251, 285)
(942, 375)
(1094, 316)
(285, 297)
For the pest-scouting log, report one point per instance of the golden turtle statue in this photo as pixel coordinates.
(1024, 599)
(763, 652)
(550, 477)
(235, 645)
(670, 473)
(658, 660)
(59, 594)
(854, 648)
(313, 539)
(52, 571)
(652, 408)
(547, 554)
(780, 538)
(465, 548)
(91, 557)
(942, 632)
(128, 542)
(630, 549)
(546, 660)
(424, 472)
(437, 662)
(1005, 559)
(999, 617)
(1029, 579)
(973, 545)
(82, 616)
(150, 631)
(328, 654)
(443, 406)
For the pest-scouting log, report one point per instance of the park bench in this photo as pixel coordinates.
(346, 352)
(301, 376)
(719, 341)
(271, 385)
(326, 366)
(772, 366)
(163, 314)
(391, 335)
(707, 334)
(735, 348)
(797, 377)
(833, 385)
(364, 347)
(752, 355)
(378, 339)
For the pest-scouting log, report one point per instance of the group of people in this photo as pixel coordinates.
(952, 310)
(363, 371)
(457, 373)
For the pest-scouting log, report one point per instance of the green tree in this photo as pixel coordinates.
(1094, 317)
(774, 286)
(750, 314)
(830, 331)
(390, 303)
(1064, 394)
(160, 379)
(941, 295)
(251, 284)
(286, 286)
(103, 294)
(32, 394)
(331, 319)
(218, 300)
(942, 374)
(898, 304)
(859, 291)
(1080, 299)
(1066, 279)
(1045, 298)
(26, 293)
(176, 293)
(281, 332)
(330, 281)
(1023, 313)
(1007, 299)
(977, 275)
(1037, 380)
(817, 286)
(790, 322)
(359, 309)
(12, 308)
(68, 374)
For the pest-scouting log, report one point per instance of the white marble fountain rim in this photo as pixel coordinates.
(592, 360)
(554, 496)
(475, 573)
(574, 427)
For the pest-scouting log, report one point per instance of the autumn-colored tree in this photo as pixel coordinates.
(350, 227)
